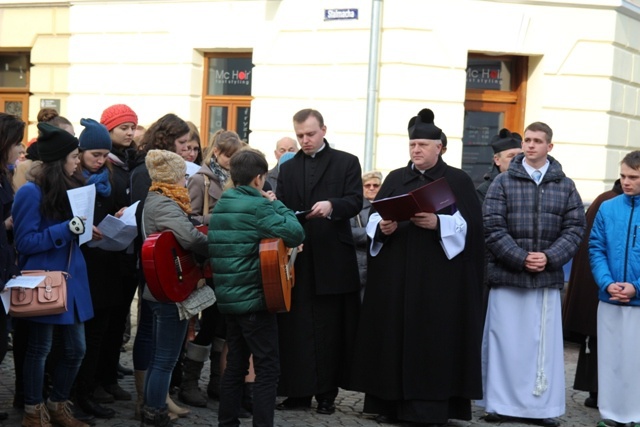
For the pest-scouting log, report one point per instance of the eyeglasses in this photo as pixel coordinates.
(371, 185)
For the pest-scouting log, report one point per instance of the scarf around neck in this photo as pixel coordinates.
(219, 172)
(100, 179)
(177, 193)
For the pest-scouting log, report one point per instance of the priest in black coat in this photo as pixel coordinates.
(417, 354)
(317, 336)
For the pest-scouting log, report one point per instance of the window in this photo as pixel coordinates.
(227, 94)
(495, 99)
(14, 84)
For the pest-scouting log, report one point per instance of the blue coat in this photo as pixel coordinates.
(43, 244)
(614, 246)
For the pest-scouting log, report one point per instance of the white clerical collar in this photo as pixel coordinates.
(319, 150)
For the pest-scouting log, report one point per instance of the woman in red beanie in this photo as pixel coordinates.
(121, 121)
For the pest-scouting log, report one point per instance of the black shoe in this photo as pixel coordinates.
(294, 403)
(3, 416)
(124, 370)
(546, 422)
(326, 407)
(592, 400)
(80, 415)
(94, 408)
(386, 419)
(493, 417)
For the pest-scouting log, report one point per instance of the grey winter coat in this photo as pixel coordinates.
(522, 217)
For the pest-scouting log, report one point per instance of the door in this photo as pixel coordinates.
(495, 99)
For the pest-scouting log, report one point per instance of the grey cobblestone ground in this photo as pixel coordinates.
(348, 413)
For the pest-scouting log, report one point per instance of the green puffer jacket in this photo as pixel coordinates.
(240, 219)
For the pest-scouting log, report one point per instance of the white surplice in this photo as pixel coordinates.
(522, 353)
(619, 362)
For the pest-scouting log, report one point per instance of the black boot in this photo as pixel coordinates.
(192, 368)
(155, 417)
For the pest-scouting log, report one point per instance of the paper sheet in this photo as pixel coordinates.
(18, 282)
(83, 200)
(117, 233)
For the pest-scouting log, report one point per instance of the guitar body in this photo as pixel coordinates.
(171, 272)
(277, 275)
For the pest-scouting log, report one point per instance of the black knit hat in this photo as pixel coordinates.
(422, 127)
(54, 143)
(505, 140)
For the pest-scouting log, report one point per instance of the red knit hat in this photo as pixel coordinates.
(116, 115)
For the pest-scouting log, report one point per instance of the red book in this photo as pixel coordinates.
(431, 198)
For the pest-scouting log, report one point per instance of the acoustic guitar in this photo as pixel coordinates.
(170, 271)
(278, 276)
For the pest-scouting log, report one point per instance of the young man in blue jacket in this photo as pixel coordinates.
(244, 216)
(614, 253)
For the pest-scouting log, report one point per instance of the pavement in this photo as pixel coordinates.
(348, 404)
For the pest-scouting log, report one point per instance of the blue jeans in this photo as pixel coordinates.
(39, 346)
(143, 341)
(250, 334)
(168, 337)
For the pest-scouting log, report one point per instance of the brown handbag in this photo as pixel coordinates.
(48, 298)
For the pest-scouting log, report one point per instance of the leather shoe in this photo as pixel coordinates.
(82, 416)
(124, 370)
(546, 422)
(100, 395)
(94, 408)
(493, 417)
(294, 403)
(326, 407)
(385, 419)
(117, 392)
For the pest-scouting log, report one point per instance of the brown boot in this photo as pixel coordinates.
(36, 416)
(62, 416)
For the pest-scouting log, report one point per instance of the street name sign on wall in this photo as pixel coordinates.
(338, 14)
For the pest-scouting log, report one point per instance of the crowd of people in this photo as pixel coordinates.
(424, 316)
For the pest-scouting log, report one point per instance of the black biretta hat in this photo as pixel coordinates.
(422, 127)
(505, 140)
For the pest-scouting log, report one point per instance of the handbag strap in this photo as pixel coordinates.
(69, 260)
(207, 184)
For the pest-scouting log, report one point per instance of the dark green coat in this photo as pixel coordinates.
(240, 219)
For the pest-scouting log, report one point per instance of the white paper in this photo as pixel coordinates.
(6, 300)
(192, 169)
(29, 282)
(117, 233)
(83, 200)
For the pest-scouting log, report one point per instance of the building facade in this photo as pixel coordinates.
(248, 65)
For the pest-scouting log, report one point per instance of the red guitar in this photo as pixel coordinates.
(171, 272)
(276, 263)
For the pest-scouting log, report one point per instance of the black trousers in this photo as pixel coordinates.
(250, 334)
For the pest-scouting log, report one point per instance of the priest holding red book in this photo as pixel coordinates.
(420, 361)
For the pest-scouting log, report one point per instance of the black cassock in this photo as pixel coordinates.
(417, 353)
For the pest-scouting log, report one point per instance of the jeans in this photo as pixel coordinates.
(168, 337)
(39, 345)
(143, 341)
(247, 334)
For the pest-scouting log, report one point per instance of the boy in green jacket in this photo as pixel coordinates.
(244, 216)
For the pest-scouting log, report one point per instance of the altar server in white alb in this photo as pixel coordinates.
(534, 222)
(614, 253)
